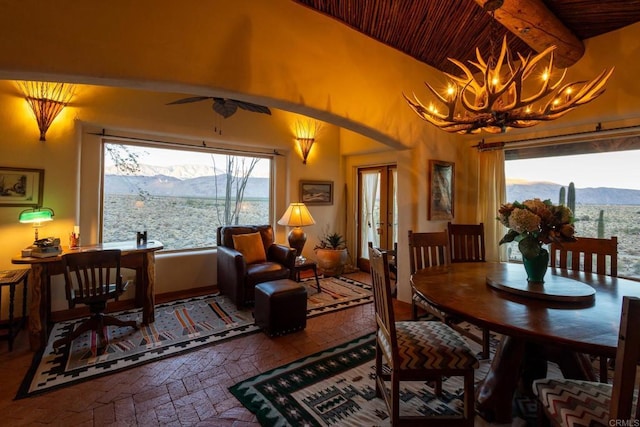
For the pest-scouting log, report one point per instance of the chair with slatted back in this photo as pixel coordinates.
(580, 255)
(590, 255)
(566, 402)
(427, 249)
(93, 278)
(416, 351)
(466, 243)
(392, 256)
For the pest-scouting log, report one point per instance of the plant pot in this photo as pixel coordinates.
(331, 262)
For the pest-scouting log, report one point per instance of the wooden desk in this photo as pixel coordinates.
(560, 330)
(140, 258)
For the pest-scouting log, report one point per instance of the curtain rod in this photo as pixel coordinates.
(181, 144)
(598, 133)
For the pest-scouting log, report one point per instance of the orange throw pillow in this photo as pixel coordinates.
(250, 245)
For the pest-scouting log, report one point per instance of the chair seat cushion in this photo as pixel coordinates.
(428, 307)
(266, 271)
(430, 345)
(575, 402)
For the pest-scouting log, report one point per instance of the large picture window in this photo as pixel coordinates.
(180, 196)
(602, 188)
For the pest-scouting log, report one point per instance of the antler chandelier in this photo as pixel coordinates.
(495, 98)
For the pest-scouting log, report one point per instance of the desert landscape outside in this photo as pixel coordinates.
(607, 182)
(182, 205)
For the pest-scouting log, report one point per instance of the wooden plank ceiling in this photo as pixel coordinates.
(433, 30)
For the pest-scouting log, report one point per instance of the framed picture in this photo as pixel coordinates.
(316, 192)
(441, 186)
(21, 187)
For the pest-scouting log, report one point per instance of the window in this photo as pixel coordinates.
(607, 195)
(180, 196)
(378, 205)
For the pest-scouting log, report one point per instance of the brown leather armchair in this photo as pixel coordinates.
(236, 278)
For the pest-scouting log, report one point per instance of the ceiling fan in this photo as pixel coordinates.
(224, 106)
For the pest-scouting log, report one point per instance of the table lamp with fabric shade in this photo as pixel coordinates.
(297, 216)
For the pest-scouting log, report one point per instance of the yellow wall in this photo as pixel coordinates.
(274, 53)
(71, 160)
(273, 50)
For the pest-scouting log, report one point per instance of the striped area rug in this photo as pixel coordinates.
(180, 326)
(336, 387)
(336, 293)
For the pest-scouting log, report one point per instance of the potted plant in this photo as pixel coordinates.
(331, 254)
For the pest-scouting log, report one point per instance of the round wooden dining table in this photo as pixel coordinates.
(534, 328)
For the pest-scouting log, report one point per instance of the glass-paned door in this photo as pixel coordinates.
(377, 210)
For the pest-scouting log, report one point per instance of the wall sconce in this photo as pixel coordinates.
(46, 100)
(36, 216)
(306, 132)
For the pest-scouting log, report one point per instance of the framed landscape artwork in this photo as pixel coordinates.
(441, 194)
(316, 192)
(21, 187)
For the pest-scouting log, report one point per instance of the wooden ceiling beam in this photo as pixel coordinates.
(538, 27)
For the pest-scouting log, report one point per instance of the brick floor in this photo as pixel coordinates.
(189, 390)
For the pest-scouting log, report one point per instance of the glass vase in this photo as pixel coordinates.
(536, 267)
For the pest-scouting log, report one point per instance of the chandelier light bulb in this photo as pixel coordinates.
(545, 75)
(497, 94)
(451, 92)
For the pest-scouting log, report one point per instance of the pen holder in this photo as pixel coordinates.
(74, 240)
(141, 238)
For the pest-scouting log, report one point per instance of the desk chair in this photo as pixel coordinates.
(466, 242)
(567, 402)
(579, 255)
(416, 351)
(88, 280)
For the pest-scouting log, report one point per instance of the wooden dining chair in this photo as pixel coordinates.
(430, 249)
(392, 256)
(416, 351)
(93, 278)
(427, 249)
(590, 255)
(587, 254)
(566, 402)
(466, 243)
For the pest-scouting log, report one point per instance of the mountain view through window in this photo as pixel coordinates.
(180, 197)
(607, 193)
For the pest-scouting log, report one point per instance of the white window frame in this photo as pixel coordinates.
(91, 171)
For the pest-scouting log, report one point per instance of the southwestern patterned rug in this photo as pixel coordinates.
(336, 387)
(180, 326)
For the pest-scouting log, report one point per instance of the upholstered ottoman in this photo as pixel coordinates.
(280, 306)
